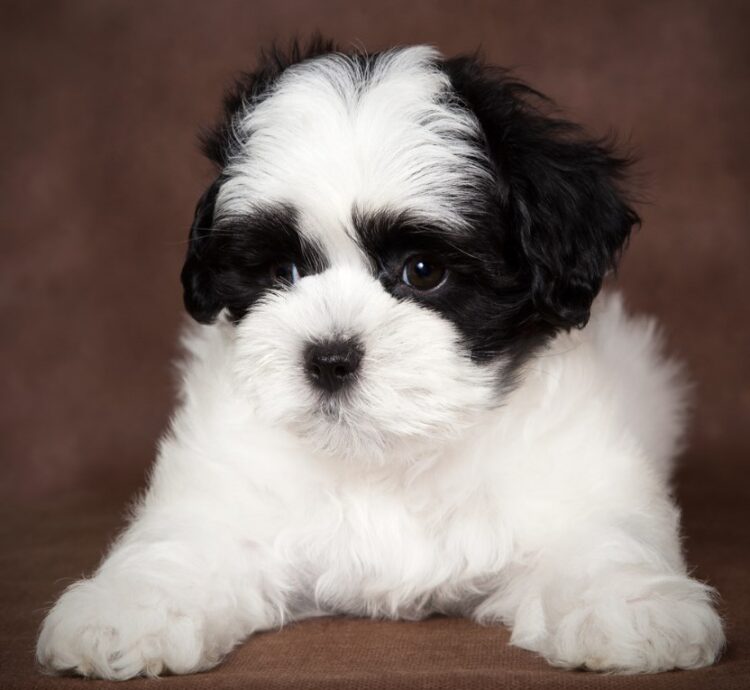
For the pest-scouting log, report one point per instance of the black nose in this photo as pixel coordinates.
(332, 365)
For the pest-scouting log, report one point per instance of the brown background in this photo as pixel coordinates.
(100, 170)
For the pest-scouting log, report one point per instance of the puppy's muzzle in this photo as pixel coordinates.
(333, 365)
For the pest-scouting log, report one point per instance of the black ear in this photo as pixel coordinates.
(558, 192)
(200, 292)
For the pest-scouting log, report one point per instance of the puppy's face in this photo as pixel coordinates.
(392, 236)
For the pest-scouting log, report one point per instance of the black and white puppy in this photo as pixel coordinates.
(403, 397)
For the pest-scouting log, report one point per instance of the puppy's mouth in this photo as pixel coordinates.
(339, 409)
(331, 406)
(337, 426)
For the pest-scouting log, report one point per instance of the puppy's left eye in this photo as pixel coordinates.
(423, 272)
(285, 273)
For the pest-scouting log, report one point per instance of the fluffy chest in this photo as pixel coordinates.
(383, 552)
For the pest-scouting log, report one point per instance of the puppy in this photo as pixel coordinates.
(401, 396)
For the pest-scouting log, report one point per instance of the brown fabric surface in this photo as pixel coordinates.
(99, 175)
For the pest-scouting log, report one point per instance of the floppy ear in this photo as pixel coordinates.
(559, 192)
(200, 291)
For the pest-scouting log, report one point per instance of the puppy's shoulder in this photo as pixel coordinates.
(615, 378)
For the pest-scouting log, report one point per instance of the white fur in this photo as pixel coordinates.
(550, 512)
(331, 137)
(552, 515)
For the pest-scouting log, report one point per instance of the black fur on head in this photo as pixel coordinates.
(556, 218)
(558, 191)
(199, 294)
(201, 281)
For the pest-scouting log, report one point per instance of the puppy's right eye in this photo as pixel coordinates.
(285, 273)
(423, 273)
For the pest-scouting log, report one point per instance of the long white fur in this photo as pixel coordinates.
(332, 136)
(550, 512)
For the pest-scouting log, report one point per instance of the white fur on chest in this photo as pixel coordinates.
(378, 549)
(551, 514)
(406, 539)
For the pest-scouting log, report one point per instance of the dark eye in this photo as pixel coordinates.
(423, 272)
(285, 273)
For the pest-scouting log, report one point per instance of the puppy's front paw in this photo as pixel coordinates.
(645, 625)
(117, 631)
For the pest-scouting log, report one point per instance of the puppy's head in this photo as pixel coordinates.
(393, 235)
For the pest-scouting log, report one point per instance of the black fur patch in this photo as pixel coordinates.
(541, 239)
(485, 294)
(558, 191)
(198, 294)
(231, 265)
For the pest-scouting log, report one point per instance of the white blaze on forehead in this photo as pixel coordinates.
(335, 133)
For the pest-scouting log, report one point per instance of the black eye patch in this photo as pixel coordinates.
(393, 240)
(243, 253)
(483, 292)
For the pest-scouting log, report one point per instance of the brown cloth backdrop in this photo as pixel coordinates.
(101, 101)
